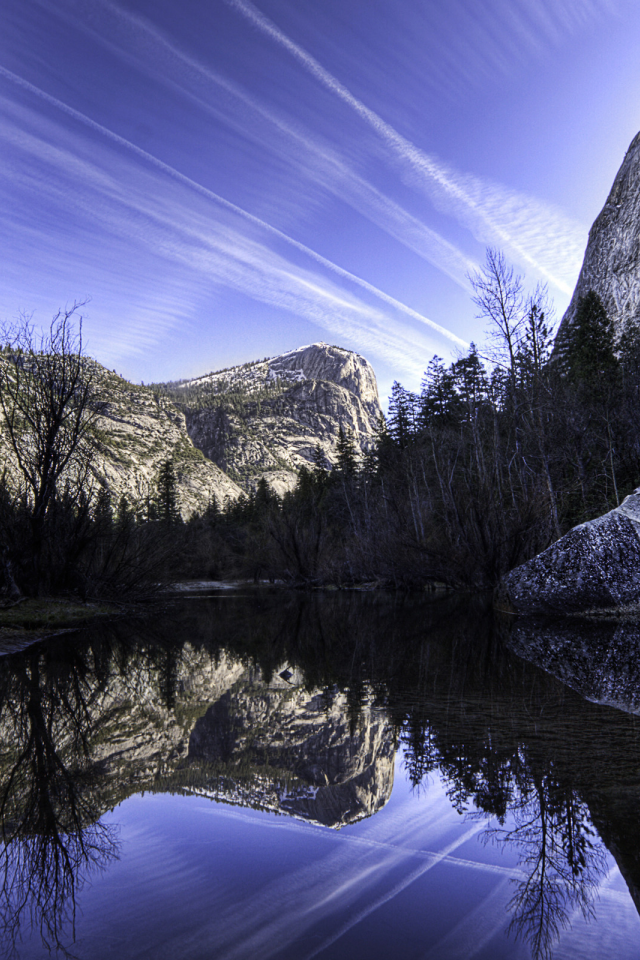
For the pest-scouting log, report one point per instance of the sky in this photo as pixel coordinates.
(224, 180)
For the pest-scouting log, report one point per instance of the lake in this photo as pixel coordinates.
(266, 774)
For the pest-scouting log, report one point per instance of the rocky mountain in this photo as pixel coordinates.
(611, 264)
(138, 431)
(225, 430)
(187, 719)
(596, 564)
(266, 418)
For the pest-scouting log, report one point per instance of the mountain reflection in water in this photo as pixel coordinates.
(297, 705)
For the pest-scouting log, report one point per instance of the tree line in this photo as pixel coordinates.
(500, 453)
(61, 531)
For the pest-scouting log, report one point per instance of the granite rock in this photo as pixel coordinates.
(611, 265)
(595, 565)
(266, 418)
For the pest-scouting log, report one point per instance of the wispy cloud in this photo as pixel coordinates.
(537, 234)
(358, 873)
(245, 215)
(215, 249)
(464, 42)
(141, 42)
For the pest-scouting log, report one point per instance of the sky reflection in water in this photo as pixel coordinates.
(495, 853)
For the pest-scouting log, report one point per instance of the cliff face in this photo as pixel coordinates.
(265, 419)
(138, 432)
(308, 759)
(226, 430)
(182, 719)
(611, 264)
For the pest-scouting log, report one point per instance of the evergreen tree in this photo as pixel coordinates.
(590, 359)
(103, 513)
(629, 351)
(264, 495)
(470, 379)
(319, 460)
(438, 399)
(347, 464)
(402, 415)
(151, 508)
(125, 516)
(537, 342)
(167, 494)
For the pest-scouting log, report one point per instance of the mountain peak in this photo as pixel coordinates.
(266, 418)
(611, 265)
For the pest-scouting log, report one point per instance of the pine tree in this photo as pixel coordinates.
(537, 342)
(438, 399)
(590, 359)
(264, 495)
(167, 494)
(401, 419)
(346, 461)
(319, 460)
(125, 516)
(103, 513)
(470, 378)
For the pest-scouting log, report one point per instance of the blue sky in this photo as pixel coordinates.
(228, 180)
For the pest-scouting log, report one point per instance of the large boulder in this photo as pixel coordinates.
(595, 565)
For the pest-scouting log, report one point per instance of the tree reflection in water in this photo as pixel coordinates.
(49, 818)
(511, 742)
(561, 859)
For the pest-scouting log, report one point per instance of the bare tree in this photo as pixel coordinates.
(48, 407)
(499, 296)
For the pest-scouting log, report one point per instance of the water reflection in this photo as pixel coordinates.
(297, 705)
(597, 657)
(52, 839)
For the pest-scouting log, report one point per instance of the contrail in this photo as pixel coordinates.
(407, 151)
(211, 195)
(317, 161)
(390, 894)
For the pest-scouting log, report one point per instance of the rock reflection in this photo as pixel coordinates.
(302, 754)
(599, 658)
(297, 704)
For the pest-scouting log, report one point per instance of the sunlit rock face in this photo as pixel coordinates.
(595, 565)
(182, 719)
(225, 431)
(611, 264)
(140, 431)
(265, 419)
(142, 718)
(281, 747)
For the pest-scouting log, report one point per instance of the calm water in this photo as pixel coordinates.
(260, 775)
